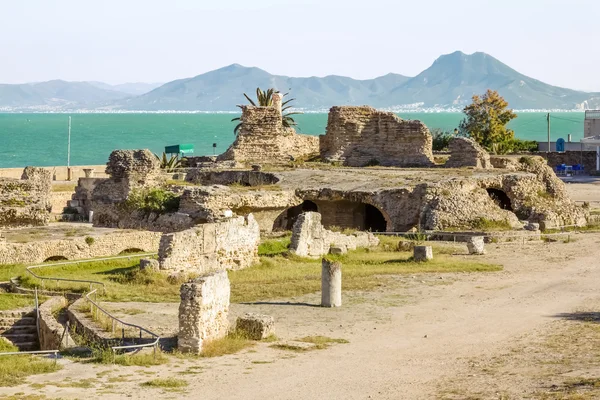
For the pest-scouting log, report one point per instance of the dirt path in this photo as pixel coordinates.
(405, 339)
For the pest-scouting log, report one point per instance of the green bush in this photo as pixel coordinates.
(89, 240)
(154, 200)
(441, 139)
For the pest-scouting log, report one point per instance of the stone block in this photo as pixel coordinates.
(73, 203)
(475, 244)
(423, 253)
(203, 311)
(149, 264)
(255, 326)
(532, 226)
(338, 250)
(405, 245)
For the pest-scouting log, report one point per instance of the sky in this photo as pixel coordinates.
(117, 41)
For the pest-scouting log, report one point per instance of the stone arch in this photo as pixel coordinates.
(500, 198)
(375, 221)
(56, 258)
(131, 250)
(285, 220)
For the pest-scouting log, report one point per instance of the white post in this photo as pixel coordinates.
(331, 284)
(69, 145)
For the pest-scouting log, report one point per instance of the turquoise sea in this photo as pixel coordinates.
(41, 139)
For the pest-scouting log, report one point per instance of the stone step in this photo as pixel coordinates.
(14, 314)
(8, 322)
(28, 346)
(17, 338)
(18, 329)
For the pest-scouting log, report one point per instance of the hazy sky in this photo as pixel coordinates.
(119, 41)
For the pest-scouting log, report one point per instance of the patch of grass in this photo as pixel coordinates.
(363, 269)
(144, 359)
(485, 224)
(230, 344)
(89, 240)
(63, 187)
(273, 247)
(14, 369)
(322, 342)
(10, 301)
(165, 383)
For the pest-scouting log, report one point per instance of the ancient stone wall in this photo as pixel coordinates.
(203, 311)
(109, 244)
(243, 178)
(229, 244)
(26, 202)
(52, 333)
(263, 138)
(359, 136)
(465, 152)
(311, 239)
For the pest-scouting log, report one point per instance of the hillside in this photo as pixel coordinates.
(130, 88)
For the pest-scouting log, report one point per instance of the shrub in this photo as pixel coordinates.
(89, 240)
(154, 200)
(441, 139)
(372, 163)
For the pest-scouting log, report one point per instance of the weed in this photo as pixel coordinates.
(13, 369)
(89, 240)
(167, 383)
(273, 247)
(230, 344)
(322, 342)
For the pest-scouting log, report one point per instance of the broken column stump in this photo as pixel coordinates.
(423, 253)
(203, 311)
(331, 283)
(475, 244)
(255, 326)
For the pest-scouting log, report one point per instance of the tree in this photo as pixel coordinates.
(265, 99)
(486, 119)
(168, 164)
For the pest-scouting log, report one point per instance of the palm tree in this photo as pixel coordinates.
(265, 99)
(168, 164)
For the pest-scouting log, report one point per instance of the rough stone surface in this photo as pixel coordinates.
(255, 326)
(405, 245)
(203, 311)
(149, 264)
(331, 283)
(52, 333)
(359, 136)
(109, 244)
(133, 164)
(229, 244)
(532, 226)
(311, 239)
(475, 245)
(263, 138)
(465, 152)
(423, 253)
(26, 201)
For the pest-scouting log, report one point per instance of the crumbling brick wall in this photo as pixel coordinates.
(359, 136)
(229, 244)
(263, 138)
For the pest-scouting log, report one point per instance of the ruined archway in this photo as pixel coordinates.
(500, 198)
(56, 258)
(285, 220)
(374, 219)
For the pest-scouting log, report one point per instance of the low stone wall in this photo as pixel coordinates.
(585, 158)
(25, 201)
(58, 173)
(244, 178)
(58, 201)
(229, 244)
(465, 152)
(311, 239)
(109, 244)
(52, 333)
(85, 327)
(359, 136)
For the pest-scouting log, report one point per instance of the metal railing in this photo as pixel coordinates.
(93, 303)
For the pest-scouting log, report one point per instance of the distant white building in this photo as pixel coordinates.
(592, 123)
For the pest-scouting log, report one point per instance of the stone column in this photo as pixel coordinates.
(203, 311)
(277, 101)
(423, 253)
(475, 244)
(331, 283)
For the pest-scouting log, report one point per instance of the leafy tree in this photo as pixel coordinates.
(265, 99)
(486, 119)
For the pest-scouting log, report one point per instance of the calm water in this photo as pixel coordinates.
(41, 139)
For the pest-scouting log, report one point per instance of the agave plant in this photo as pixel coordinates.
(265, 99)
(168, 164)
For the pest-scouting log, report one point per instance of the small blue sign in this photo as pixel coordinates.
(560, 145)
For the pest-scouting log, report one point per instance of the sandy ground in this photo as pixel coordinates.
(426, 336)
(405, 338)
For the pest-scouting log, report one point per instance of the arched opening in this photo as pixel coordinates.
(56, 258)
(131, 250)
(374, 219)
(500, 198)
(285, 221)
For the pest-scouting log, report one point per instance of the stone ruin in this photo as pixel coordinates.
(263, 138)
(26, 201)
(203, 311)
(228, 244)
(360, 136)
(311, 239)
(465, 152)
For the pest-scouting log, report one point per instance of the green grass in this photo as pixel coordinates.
(322, 342)
(166, 383)
(14, 369)
(273, 247)
(13, 301)
(230, 344)
(63, 187)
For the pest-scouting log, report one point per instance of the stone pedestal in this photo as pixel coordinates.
(475, 245)
(331, 283)
(203, 311)
(423, 253)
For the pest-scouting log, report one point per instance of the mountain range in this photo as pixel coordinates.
(449, 83)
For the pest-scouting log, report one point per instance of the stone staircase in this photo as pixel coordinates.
(19, 328)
